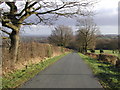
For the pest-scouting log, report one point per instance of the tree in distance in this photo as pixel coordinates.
(61, 36)
(86, 35)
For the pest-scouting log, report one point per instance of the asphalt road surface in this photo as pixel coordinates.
(69, 72)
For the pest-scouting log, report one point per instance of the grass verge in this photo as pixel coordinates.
(108, 75)
(13, 80)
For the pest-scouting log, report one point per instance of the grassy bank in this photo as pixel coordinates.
(13, 80)
(108, 75)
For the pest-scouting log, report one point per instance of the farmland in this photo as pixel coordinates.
(106, 52)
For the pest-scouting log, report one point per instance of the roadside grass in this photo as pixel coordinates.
(108, 75)
(106, 52)
(13, 80)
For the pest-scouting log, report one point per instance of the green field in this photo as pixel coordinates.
(106, 52)
(108, 75)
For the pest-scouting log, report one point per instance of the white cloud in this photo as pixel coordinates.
(107, 4)
(107, 17)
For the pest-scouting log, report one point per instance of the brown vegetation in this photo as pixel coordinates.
(93, 55)
(106, 57)
(109, 58)
(29, 53)
(107, 42)
(86, 35)
(61, 36)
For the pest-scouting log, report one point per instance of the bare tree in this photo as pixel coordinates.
(18, 12)
(86, 35)
(61, 36)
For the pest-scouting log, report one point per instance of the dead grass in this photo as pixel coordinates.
(29, 53)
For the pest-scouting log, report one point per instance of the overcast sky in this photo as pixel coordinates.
(106, 17)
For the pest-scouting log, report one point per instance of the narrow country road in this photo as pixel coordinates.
(69, 72)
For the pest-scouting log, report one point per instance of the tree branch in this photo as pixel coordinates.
(9, 25)
(28, 12)
(51, 10)
(26, 5)
(27, 8)
(5, 32)
(13, 8)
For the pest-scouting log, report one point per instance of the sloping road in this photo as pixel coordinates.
(69, 72)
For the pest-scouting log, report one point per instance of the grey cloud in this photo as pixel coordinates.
(66, 21)
(103, 17)
(107, 17)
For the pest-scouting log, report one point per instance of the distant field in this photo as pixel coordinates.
(106, 52)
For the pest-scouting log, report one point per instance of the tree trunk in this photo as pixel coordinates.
(85, 48)
(14, 36)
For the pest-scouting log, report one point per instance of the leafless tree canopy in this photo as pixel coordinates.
(86, 35)
(21, 10)
(61, 36)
